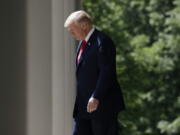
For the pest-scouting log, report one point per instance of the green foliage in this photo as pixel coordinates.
(147, 37)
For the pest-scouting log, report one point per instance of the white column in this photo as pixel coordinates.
(39, 97)
(63, 74)
(50, 68)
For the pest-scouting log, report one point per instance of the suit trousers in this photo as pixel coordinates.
(107, 126)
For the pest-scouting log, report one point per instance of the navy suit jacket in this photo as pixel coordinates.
(96, 76)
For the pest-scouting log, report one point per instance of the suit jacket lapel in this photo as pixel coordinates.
(87, 48)
(85, 52)
(77, 52)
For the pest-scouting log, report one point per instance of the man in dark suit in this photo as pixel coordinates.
(98, 96)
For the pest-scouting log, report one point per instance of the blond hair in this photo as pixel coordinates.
(78, 17)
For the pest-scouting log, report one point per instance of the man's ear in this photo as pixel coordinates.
(83, 26)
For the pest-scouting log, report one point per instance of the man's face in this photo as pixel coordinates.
(76, 31)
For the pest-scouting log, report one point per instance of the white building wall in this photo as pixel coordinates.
(37, 69)
(63, 69)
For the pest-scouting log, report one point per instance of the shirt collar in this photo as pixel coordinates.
(89, 34)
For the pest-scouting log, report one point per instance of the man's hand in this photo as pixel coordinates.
(92, 104)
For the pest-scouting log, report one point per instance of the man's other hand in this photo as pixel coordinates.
(92, 104)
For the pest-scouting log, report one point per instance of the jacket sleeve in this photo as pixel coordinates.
(106, 64)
